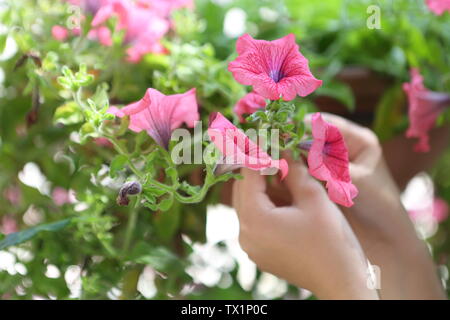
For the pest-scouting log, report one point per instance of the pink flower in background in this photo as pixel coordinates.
(144, 22)
(165, 7)
(328, 161)
(237, 148)
(440, 210)
(424, 108)
(90, 6)
(103, 142)
(8, 225)
(437, 212)
(13, 195)
(60, 33)
(273, 68)
(249, 104)
(62, 196)
(143, 27)
(159, 114)
(439, 6)
(102, 34)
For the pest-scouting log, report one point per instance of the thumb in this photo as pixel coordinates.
(300, 183)
(252, 197)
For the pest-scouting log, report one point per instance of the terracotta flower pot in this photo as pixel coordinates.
(368, 87)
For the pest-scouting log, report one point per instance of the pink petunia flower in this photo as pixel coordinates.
(249, 104)
(437, 212)
(102, 34)
(90, 6)
(62, 196)
(438, 7)
(159, 114)
(60, 33)
(328, 161)
(238, 149)
(273, 68)
(103, 142)
(425, 106)
(165, 7)
(143, 27)
(13, 195)
(8, 225)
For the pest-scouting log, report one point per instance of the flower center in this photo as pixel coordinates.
(276, 75)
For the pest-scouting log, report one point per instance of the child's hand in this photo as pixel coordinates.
(310, 244)
(382, 224)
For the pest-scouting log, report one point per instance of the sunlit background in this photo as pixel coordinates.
(219, 264)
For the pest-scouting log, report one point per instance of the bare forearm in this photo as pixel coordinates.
(406, 267)
(408, 272)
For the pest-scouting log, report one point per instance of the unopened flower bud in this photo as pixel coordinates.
(128, 189)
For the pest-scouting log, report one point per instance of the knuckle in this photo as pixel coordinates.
(312, 189)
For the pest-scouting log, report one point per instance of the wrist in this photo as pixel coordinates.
(354, 286)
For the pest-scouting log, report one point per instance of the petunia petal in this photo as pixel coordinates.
(143, 26)
(274, 68)
(249, 104)
(159, 114)
(341, 192)
(238, 149)
(424, 108)
(438, 7)
(328, 161)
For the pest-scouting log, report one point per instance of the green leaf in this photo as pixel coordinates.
(87, 130)
(150, 198)
(172, 173)
(154, 191)
(117, 164)
(101, 97)
(389, 113)
(301, 130)
(301, 113)
(159, 258)
(167, 223)
(288, 127)
(67, 114)
(64, 82)
(165, 204)
(22, 236)
(340, 92)
(50, 61)
(67, 72)
(3, 38)
(152, 206)
(281, 116)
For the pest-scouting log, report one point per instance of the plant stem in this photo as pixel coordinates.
(123, 152)
(131, 225)
(160, 185)
(200, 195)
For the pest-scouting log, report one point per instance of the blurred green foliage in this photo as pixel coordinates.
(41, 122)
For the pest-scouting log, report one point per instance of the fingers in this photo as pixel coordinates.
(249, 195)
(235, 193)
